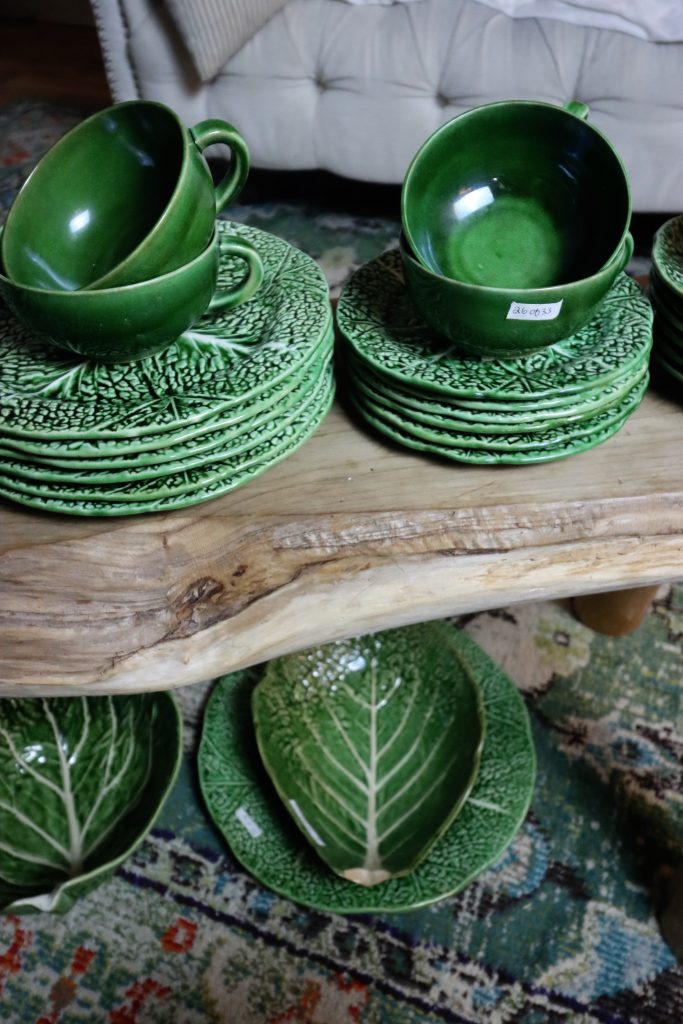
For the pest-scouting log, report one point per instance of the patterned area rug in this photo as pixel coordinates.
(562, 929)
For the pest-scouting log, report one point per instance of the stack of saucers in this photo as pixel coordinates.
(416, 387)
(666, 293)
(235, 394)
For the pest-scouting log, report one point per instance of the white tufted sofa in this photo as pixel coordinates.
(356, 90)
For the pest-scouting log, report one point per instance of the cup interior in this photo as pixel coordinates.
(516, 195)
(94, 197)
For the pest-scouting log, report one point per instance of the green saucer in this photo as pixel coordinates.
(227, 359)
(478, 456)
(79, 481)
(262, 836)
(213, 436)
(183, 489)
(437, 414)
(190, 437)
(377, 319)
(513, 445)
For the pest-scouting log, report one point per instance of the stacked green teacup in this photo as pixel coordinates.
(515, 236)
(151, 356)
(110, 248)
(666, 295)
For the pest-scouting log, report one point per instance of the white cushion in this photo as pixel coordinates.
(356, 90)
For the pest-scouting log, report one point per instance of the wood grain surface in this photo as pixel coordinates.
(349, 535)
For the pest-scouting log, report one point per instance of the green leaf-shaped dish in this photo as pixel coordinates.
(373, 745)
(81, 782)
(263, 837)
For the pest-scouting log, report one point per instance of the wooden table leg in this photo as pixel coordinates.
(617, 612)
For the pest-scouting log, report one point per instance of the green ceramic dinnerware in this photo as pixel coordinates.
(187, 441)
(136, 320)
(149, 481)
(516, 195)
(373, 745)
(507, 321)
(123, 197)
(519, 446)
(667, 257)
(184, 489)
(82, 780)
(227, 361)
(379, 322)
(505, 426)
(263, 837)
(479, 457)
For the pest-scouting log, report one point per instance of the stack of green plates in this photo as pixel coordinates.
(416, 388)
(666, 294)
(231, 397)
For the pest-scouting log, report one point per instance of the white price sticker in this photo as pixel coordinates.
(245, 818)
(534, 310)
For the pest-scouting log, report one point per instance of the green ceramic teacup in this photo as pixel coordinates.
(119, 324)
(517, 194)
(507, 321)
(123, 197)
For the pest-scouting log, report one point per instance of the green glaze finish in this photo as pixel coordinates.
(378, 320)
(435, 412)
(663, 294)
(228, 360)
(217, 445)
(137, 320)
(665, 309)
(184, 489)
(187, 443)
(123, 197)
(263, 837)
(667, 256)
(479, 457)
(518, 195)
(82, 781)
(171, 481)
(500, 321)
(517, 448)
(373, 745)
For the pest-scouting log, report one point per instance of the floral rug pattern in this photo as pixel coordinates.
(562, 930)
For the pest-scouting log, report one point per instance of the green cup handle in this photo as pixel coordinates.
(208, 133)
(250, 283)
(577, 108)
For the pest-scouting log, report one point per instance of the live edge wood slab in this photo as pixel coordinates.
(348, 535)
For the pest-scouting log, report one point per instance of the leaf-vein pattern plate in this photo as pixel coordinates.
(548, 441)
(220, 444)
(377, 318)
(508, 419)
(225, 358)
(263, 837)
(373, 744)
(202, 484)
(81, 782)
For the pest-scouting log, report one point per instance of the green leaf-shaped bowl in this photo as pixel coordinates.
(82, 781)
(373, 745)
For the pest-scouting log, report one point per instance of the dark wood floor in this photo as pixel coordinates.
(41, 60)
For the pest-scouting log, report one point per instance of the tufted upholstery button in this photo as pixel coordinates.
(442, 101)
(320, 82)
